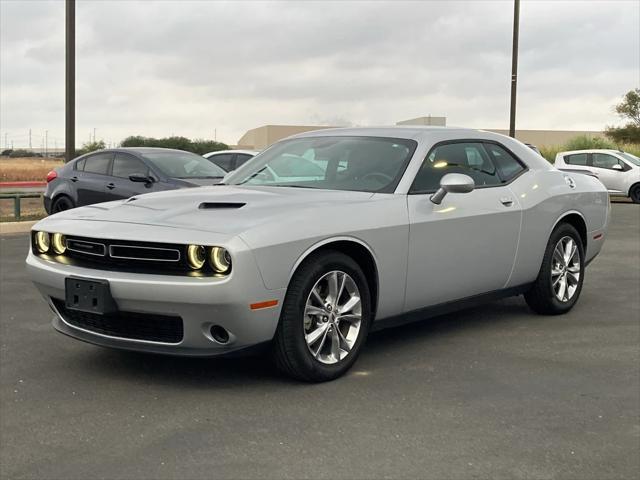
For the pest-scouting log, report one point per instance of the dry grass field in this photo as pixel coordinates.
(27, 169)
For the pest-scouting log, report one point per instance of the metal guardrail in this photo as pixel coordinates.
(16, 201)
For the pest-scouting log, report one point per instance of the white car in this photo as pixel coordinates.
(229, 160)
(619, 171)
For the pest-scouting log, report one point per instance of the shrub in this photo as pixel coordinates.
(6, 153)
(20, 153)
(630, 133)
(584, 142)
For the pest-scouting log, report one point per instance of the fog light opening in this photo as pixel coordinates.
(219, 334)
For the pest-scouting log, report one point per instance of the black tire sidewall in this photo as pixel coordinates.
(635, 194)
(61, 200)
(564, 230)
(291, 322)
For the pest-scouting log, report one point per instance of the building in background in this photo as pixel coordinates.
(428, 120)
(261, 137)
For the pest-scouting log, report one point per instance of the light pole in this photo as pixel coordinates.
(514, 67)
(70, 80)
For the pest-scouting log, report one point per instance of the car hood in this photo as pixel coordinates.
(228, 210)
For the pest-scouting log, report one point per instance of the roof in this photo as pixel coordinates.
(397, 131)
(591, 150)
(143, 150)
(219, 152)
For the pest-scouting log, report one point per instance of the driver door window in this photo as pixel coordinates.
(603, 160)
(125, 165)
(469, 158)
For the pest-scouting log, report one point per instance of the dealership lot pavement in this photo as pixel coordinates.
(492, 392)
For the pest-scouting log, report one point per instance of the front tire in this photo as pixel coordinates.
(559, 282)
(634, 193)
(325, 318)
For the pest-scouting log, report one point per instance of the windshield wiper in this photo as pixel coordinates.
(289, 185)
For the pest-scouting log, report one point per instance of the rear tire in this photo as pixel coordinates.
(61, 204)
(634, 193)
(325, 318)
(559, 282)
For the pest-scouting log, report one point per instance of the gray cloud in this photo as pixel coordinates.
(190, 67)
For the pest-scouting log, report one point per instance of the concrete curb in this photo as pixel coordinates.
(7, 228)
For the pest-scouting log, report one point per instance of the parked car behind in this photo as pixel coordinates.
(619, 171)
(118, 173)
(229, 160)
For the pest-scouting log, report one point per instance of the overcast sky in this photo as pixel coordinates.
(189, 67)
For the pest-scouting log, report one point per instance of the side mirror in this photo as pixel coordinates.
(140, 178)
(618, 167)
(453, 183)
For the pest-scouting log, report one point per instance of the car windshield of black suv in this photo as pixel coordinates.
(184, 165)
(365, 164)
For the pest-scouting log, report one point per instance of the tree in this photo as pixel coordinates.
(198, 146)
(91, 147)
(628, 109)
(630, 106)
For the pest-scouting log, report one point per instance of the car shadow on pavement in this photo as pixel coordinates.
(190, 372)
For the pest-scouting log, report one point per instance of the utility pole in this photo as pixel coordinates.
(70, 79)
(30, 147)
(514, 67)
(94, 134)
(46, 143)
(6, 143)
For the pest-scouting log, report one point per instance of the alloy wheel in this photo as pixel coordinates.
(332, 317)
(565, 269)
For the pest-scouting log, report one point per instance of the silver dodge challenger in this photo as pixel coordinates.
(318, 240)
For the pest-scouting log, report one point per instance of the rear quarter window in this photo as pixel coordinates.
(79, 165)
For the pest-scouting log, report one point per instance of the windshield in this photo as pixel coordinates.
(365, 164)
(632, 158)
(184, 165)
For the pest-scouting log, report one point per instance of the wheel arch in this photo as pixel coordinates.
(60, 194)
(359, 251)
(576, 220)
(633, 185)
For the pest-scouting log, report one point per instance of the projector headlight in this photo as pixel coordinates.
(196, 256)
(220, 260)
(59, 243)
(42, 242)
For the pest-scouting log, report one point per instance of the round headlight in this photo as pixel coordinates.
(42, 242)
(196, 256)
(220, 260)
(59, 243)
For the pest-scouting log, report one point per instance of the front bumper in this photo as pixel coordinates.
(200, 303)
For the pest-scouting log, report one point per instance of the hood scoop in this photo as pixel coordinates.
(220, 205)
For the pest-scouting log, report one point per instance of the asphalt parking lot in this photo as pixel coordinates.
(494, 392)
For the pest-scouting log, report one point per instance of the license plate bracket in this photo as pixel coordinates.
(89, 295)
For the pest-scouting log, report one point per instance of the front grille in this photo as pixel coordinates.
(127, 256)
(132, 325)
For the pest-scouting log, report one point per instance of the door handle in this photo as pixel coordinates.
(111, 186)
(506, 201)
(74, 179)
